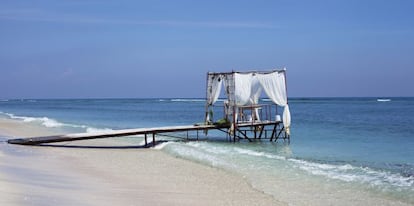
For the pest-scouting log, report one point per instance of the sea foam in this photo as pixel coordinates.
(45, 121)
(52, 123)
(349, 173)
(258, 154)
(215, 155)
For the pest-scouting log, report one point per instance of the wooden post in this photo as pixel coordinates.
(146, 142)
(234, 133)
(284, 73)
(261, 131)
(207, 103)
(286, 99)
(234, 123)
(255, 132)
(153, 139)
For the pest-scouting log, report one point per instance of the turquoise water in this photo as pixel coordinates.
(337, 143)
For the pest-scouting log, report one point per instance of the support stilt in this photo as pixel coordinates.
(245, 136)
(234, 133)
(273, 132)
(278, 135)
(261, 132)
(255, 132)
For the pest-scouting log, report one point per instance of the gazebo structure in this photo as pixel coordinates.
(242, 106)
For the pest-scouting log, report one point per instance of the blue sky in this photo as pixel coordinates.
(102, 48)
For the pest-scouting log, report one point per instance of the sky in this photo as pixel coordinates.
(150, 49)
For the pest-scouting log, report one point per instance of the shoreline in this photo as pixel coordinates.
(93, 176)
(117, 172)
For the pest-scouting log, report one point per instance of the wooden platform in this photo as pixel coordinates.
(130, 132)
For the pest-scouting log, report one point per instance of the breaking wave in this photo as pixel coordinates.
(45, 121)
(52, 123)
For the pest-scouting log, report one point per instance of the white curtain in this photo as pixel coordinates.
(256, 90)
(213, 93)
(243, 87)
(228, 85)
(215, 82)
(274, 86)
(286, 119)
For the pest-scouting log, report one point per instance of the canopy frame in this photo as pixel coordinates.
(243, 89)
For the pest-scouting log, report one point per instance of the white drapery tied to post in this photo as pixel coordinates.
(213, 91)
(274, 85)
(248, 88)
(286, 119)
(215, 88)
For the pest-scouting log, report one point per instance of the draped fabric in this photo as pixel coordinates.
(286, 119)
(256, 90)
(229, 86)
(275, 88)
(247, 89)
(243, 85)
(213, 93)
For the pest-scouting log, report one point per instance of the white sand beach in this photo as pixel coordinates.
(111, 176)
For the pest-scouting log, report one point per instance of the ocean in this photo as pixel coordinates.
(347, 145)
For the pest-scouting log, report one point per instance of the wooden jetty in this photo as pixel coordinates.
(244, 117)
(259, 128)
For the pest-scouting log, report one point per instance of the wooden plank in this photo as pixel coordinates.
(124, 132)
(106, 134)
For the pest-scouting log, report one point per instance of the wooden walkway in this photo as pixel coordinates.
(130, 132)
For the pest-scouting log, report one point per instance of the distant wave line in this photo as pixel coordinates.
(52, 123)
(383, 100)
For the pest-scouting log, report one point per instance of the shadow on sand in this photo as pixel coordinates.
(104, 147)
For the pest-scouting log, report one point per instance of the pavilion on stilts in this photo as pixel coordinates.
(246, 116)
